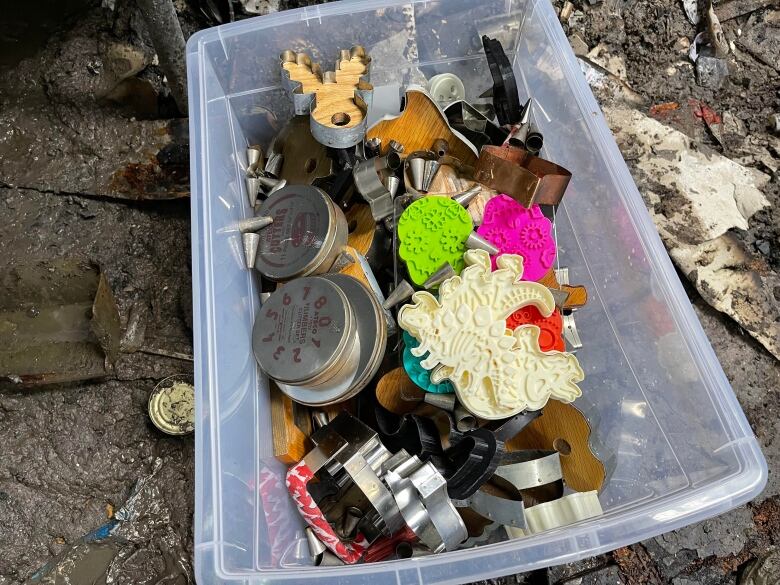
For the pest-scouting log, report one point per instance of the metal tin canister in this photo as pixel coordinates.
(306, 236)
(371, 326)
(322, 338)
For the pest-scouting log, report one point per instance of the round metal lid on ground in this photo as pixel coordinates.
(302, 329)
(300, 237)
(172, 405)
(371, 327)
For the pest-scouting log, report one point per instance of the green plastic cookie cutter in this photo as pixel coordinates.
(433, 231)
(417, 373)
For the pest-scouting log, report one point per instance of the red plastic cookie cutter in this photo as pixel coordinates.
(551, 328)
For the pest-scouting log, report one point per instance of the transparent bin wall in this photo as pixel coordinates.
(664, 418)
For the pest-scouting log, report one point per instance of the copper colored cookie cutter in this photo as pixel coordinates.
(526, 178)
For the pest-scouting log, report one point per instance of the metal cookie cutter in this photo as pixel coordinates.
(523, 470)
(474, 125)
(528, 179)
(535, 474)
(339, 116)
(502, 510)
(530, 468)
(369, 183)
(570, 332)
(351, 454)
(421, 494)
(504, 91)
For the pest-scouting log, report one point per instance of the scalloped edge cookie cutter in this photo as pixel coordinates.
(562, 512)
(305, 103)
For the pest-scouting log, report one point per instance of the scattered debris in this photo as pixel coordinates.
(579, 46)
(691, 8)
(735, 283)
(566, 11)
(762, 571)
(735, 8)
(58, 323)
(163, 27)
(615, 64)
(774, 123)
(608, 84)
(762, 39)
(637, 566)
(49, 144)
(137, 545)
(172, 405)
(707, 195)
(715, 33)
(695, 199)
(135, 331)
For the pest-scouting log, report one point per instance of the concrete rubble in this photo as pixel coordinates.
(695, 199)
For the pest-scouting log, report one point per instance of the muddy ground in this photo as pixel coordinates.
(71, 454)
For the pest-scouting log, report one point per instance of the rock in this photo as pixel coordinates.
(733, 282)
(774, 123)
(579, 46)
(711, 71)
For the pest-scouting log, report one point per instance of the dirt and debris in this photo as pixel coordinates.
(58, 323)
(636, 566)
(88, 149)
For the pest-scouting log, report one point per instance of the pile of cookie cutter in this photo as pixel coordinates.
(416, 322)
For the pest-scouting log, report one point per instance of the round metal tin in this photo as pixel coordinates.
(371, 328)
(305, 236)
(335, 389)
(172, 405)
(302, 330)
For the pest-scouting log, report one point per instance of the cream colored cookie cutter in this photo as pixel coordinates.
(562, 512)
(496, 372)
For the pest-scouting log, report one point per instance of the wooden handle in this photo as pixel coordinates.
(397, 393)
(565, 429)
(418, 126)
(289, 441)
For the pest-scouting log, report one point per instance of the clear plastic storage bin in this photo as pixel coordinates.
(664, 417)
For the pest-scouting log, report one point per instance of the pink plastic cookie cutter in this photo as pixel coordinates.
(515, 229)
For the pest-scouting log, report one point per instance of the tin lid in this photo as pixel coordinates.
(172, 405)
(293, 244)
(302, 330)
(371, 328)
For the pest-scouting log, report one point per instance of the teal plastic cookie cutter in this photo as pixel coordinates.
(417, 373)
(433, 231)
